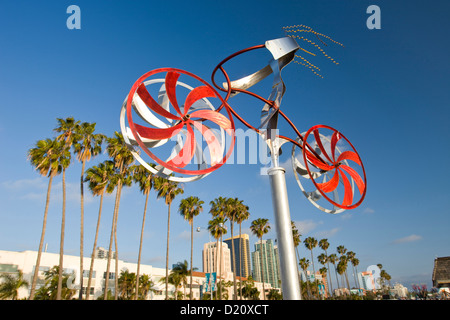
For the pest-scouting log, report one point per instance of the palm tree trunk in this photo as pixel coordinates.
(61, 246)
(262, 271)
(192, 250)
(346, 278)
(234, 261)
(81, 229)
(91, 269)
(167, 252)
(217, 266)
(337, 279)
(116, 278)
(140, 247)
(111, 239)
(330, 289)
(41, 242)
(357, 278)
(220, 267)
(308, 288)
(241, 259)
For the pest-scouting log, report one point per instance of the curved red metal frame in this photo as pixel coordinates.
(335, 166)
(269, 102)
(169, 166)
(315, 158)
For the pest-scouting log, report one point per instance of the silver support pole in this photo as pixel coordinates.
(288, 264)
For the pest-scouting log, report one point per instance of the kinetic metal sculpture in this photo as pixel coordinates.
(168, 142)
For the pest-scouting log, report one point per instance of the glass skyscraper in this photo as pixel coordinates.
(241, 255)
(270, 263)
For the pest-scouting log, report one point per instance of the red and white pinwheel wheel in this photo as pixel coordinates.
(175, 135)
(332, 168)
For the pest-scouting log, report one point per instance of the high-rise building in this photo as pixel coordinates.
(211, 253)
(241, 255)
(270, 263)
(367, 280)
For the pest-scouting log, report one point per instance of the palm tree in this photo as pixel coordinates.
(343, 260)
(233, 207)
(310, 244)
(86, 145)
(189, 208)
(217, 229)
(350, 257)
(297, 241)
(123, 159)
(145, 286)
(323, 259)
(98, 178)
(168, 190)
(333, 259)
(218, 209)
(67, 129)
(9, 287)
(304, 264)
(243, 214)
(50, 289)
(355, 263)
(144, 178)
(182, 268)
(324, 244)
(44, 158)
(341, 266)
(126, 286)
(259, 228)
(342, 250)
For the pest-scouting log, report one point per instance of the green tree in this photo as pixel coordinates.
(86, 145)
(297, 241)
(44, 158)
(146, 285)
(243, 214)
(274, 295)
(182, 268)
(355, 263)
(260, 227)
(126, 283)
(323, 272)
(167, 190)
(324, 245)
(304, 264)
(323, 259)
(218, 211)
(189, 208)
(343, 259)
(310, 244)
(10, 285)
(98, 178)
(217, 229)
(144, 178)
(175, 279)
(249, 290)
(233, 208)
(122, 157)
(50, 290)
(67, 129)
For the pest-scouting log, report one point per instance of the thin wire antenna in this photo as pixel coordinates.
(293, 32)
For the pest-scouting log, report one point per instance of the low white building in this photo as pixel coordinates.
(11, 262)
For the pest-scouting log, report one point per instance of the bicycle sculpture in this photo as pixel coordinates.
(164, 121)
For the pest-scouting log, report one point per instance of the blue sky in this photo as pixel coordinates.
(389, 95)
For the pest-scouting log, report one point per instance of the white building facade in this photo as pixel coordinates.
(25, 261)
